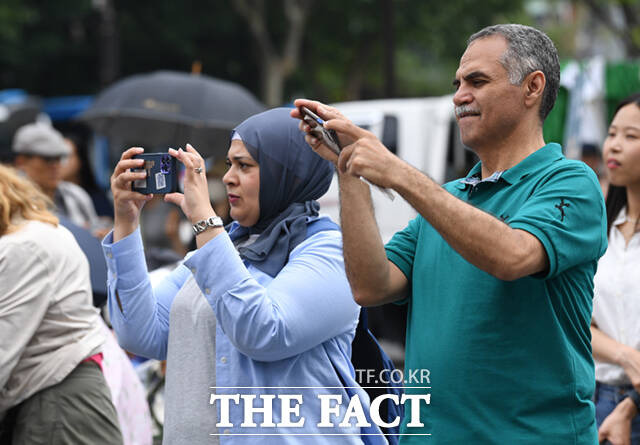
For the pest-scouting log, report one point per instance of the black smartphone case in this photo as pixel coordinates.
(162, 174)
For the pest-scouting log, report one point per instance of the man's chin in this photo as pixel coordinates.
(467, 141)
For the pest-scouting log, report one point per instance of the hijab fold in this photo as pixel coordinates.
(292, 177)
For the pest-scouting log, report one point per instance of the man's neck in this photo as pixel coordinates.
(509, 151)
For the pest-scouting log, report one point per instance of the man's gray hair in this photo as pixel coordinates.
(528, 50)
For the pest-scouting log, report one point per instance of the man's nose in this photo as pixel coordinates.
(462, 96)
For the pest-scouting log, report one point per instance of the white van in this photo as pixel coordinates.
(421, 131)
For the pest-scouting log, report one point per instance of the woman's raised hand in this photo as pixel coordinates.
(195, 202)
(126, 202)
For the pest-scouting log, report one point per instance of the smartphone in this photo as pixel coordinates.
(162, 174)
(329, 137)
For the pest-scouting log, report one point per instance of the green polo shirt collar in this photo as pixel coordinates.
(535, 161)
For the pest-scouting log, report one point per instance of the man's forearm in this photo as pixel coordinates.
(479, 237)
(366, 262)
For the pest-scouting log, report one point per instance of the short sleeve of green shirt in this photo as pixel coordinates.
(401, 249)
(565, 212)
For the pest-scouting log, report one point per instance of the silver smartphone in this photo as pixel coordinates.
(329, 137)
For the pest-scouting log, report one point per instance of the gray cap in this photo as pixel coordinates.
(40, 139)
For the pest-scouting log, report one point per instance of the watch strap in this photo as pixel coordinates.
(204, 224)
(635, 397)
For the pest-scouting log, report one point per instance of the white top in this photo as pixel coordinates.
(47, 320)
(616, 302)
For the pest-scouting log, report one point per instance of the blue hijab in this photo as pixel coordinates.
(292, 177)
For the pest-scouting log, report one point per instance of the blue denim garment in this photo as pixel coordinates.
(607, 398)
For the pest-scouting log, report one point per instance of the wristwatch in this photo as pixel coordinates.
(635, 397)
(204, 224)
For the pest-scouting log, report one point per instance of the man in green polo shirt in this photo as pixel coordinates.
(498, 267)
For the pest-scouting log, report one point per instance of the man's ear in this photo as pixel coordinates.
(534, 88)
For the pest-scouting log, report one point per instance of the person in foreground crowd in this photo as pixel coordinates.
(52, 389)
(498, 266)
(616, 306)
(265, 306)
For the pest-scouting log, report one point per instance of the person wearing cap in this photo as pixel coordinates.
(39, 151)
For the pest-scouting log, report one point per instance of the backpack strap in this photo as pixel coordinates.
(368, 354)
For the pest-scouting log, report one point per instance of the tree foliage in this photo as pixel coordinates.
(53, 48)
(277, 62)
(47, 46)
(622, 18)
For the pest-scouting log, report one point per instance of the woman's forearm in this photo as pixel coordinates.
(606, 349)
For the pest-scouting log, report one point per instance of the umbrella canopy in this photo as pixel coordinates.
(16, 109)
(168, 109)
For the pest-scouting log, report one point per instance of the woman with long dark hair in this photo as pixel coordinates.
(615, 328)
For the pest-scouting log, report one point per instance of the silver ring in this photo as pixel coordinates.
(198, 170)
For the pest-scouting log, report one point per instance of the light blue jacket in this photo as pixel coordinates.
(285, 335)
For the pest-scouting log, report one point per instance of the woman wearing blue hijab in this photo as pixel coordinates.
(263, 310)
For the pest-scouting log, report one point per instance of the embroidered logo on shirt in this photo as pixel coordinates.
(560, 207)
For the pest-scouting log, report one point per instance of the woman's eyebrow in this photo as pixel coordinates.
(625, 127)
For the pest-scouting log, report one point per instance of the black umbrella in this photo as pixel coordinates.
(14, 115)
(168, 109)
